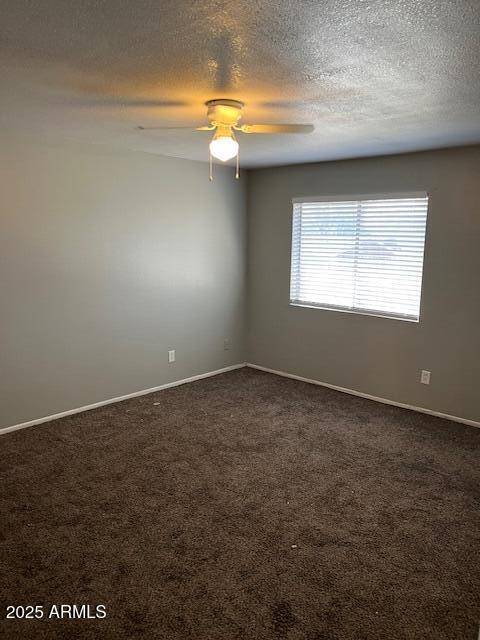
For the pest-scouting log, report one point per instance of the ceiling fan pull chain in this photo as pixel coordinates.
(210, 177)
(237, 172)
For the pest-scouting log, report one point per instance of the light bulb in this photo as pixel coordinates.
(223, 147)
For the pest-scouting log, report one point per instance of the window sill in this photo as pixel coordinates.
(375, 314)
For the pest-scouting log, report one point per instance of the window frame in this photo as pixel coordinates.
(356, 197)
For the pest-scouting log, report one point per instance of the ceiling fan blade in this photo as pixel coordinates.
(141, 128)
(191, 128)
(125, 102)
(275, 128)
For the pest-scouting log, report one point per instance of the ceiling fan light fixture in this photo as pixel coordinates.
(223, 146)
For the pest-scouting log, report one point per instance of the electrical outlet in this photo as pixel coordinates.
(425, 377)
(226, 344)
(171, 356)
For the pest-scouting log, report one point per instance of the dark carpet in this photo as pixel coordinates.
(244, 506)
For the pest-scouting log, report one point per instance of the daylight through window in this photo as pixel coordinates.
(363, 255)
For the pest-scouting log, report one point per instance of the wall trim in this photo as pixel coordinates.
(135, 394)
(360, 394)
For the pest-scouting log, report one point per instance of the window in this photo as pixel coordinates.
(363, 255)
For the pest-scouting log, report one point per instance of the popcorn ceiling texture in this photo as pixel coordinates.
(244, 507)
(373, 76)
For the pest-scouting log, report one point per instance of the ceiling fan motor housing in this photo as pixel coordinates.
(224, 112)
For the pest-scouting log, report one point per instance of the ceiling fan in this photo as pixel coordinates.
(224, 116)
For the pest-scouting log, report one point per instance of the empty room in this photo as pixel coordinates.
(240, 320)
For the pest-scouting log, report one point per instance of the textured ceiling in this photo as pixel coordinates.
(373, 76)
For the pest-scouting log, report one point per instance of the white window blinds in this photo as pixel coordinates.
(360, 255)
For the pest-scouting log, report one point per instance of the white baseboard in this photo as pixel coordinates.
(352, 392)
(135, 394)
(208, 374)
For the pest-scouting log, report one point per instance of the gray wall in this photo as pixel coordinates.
(379, 356)
(107, 260)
